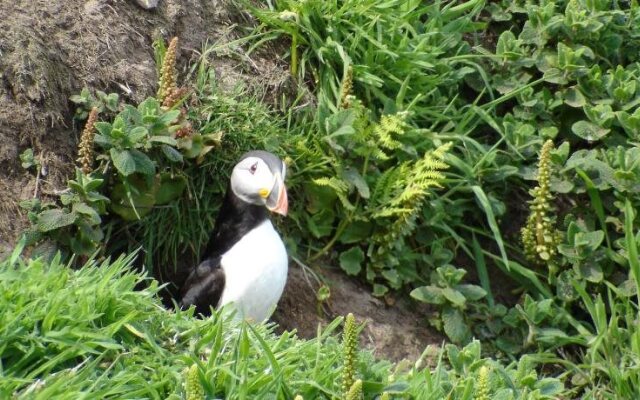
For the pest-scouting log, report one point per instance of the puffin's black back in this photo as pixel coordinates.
(205, 284)
(235, 219)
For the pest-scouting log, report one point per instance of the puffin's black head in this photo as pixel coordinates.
(258, 179)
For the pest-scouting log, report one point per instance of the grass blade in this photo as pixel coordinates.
(491, 219)
(596, 201)
(481, 266)
(632, 245)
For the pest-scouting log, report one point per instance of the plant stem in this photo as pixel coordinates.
(343, 225)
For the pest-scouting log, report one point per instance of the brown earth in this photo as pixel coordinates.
(51, 50)
(394, 330)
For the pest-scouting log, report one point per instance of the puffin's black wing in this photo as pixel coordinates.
(204, 286)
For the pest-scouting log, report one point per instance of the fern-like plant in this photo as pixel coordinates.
(375, 190)
(403, 190)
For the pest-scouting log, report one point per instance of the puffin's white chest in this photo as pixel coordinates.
(255, 271)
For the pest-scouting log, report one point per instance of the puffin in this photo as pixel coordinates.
(245, 261)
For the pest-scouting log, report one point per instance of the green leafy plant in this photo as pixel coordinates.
(101, 101)
(451, 296)
(134, 133)
(393, 48)
(28, 160)
(372, 191)
(136, 155)
(77, 224)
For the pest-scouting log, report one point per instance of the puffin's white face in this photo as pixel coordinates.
(254, 181)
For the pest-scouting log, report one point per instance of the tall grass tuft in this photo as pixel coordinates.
(88, 333)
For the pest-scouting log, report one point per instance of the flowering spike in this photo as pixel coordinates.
(355, 391)
(349, 343)
(167, 84)
(85, 148)
(482, 388)
(194, 389)
(347, 88)
(539, 236)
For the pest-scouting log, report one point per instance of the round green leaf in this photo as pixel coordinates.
(454, 296)
(50, 220)
(172, 154)
(588, 131)
(171, 187)
(428, 294)
(351, 260)
(454, 325)
(379, 290)
(471, 292)
(574, 97)
(123, 161)
(143, 163)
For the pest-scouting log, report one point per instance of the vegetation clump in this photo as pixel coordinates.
(66, 333)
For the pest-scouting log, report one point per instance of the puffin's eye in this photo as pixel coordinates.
(253, 168)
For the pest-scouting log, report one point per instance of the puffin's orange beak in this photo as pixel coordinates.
(277, 201)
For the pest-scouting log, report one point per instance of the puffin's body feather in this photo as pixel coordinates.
(255, 270)
(245, 263)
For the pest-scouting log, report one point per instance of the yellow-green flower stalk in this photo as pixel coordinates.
(482, 388)
(347, 88)
(539, 236)
(355, 391)
(193, 389)
(350, 346)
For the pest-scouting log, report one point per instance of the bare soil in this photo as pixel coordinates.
(50, 50)
(395, 329)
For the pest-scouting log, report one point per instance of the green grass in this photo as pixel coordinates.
(94, 333)
(495, 80)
